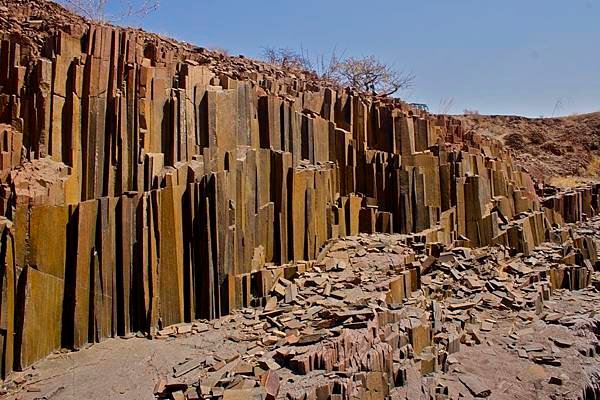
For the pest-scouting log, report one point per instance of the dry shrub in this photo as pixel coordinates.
(286, 58)
(568, 181)
(514, 141)
(366, 74)
(220, 50)
(552, 148)
(537, 138)
(370, 75)
(96, 10)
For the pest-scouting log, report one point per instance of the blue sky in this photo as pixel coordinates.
(527, 57)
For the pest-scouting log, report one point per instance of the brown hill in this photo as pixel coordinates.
(561, 151)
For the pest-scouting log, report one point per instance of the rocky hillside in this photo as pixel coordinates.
(562, 151)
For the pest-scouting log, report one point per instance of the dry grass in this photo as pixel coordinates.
(593, 168)
(566, 182)
(592, 175)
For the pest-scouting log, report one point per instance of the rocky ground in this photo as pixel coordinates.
(562, 151)
(376, 318)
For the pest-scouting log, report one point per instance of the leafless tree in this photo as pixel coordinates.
(445, 105)
(96, 10)
(286, 58)
(367, 74)
(327, 66)
(370, 75)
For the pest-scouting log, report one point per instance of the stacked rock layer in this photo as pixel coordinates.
(147, 183)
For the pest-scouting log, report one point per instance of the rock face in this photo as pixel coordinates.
(147, 183)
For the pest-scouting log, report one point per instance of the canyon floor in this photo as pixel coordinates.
(479, 324)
